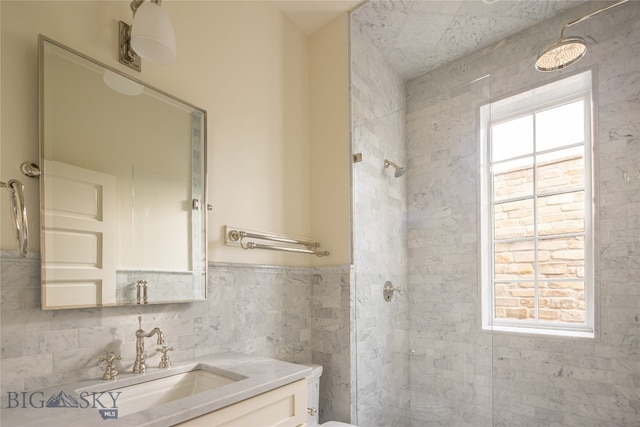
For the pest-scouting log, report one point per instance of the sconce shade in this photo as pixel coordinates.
(152, 35)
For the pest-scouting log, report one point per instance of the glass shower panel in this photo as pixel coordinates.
(380, 257)
(450, 353)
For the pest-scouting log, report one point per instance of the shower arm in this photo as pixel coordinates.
(584, 18)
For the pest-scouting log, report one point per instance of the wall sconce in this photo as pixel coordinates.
(150, 36)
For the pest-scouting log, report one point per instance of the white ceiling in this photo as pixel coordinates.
(419, 35)
(311, 15)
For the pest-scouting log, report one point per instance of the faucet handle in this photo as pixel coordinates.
(110, 372)
(164, 361)
(109, 358)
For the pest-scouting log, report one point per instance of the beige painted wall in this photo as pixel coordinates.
(243, 62)
(330, 147)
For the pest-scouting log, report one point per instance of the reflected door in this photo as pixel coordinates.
(78, 237)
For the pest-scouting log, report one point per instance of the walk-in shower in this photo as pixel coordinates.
(423, 359)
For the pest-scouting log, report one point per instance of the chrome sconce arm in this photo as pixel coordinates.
(127, 56)
(135, 4)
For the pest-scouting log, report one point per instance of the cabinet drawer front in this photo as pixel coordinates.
(282, 407)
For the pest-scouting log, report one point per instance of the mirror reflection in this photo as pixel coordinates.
(122, 188)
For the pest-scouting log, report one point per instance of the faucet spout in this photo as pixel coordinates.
(160, 336)
(140, 365)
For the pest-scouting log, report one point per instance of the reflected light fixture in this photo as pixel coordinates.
(150, 36)
(567, 50)
(121, 84)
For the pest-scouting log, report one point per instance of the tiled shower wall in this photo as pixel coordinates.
(536, 380)
(293, 314)
(380, 247)
(451, 359)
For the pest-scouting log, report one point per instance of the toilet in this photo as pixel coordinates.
(313, 399)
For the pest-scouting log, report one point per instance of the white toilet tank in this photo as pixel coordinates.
(313, 394)
(313, 399)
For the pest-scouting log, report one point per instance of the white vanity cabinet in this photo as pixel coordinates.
(285, 406)
(263, 393)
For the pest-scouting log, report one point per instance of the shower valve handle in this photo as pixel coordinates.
(388, 290)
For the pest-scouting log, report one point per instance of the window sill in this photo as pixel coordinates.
(532, 330)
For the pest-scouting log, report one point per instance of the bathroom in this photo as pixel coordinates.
(278, 138)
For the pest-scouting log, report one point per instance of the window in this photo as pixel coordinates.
(536, 211)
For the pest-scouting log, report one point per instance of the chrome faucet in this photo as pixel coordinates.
(140, 366)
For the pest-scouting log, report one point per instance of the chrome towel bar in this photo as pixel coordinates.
(19, 214)
(238, 236)
(18, 208)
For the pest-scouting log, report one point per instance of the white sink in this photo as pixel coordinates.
(152, 391)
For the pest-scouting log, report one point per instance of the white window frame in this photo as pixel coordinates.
(560, 92)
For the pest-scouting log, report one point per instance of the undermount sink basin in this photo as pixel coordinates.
(152, 391)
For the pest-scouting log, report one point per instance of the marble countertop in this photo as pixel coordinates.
(260, 375)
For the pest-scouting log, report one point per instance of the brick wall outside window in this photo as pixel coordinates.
(559, 258)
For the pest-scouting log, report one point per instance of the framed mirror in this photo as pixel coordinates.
(122, 188)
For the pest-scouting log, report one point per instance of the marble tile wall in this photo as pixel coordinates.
(162, 286)
(451, 359)
(333, 340)
(379, 224)
(535, 380)
(288, 313)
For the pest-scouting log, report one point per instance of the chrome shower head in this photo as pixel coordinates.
(567, 50)
(399, 171)
(562, 53)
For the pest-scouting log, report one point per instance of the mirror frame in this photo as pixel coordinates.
(203, 207)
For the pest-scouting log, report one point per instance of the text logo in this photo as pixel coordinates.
(105, 402)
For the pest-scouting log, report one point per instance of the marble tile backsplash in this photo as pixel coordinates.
(287, 313)
(161, 286)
